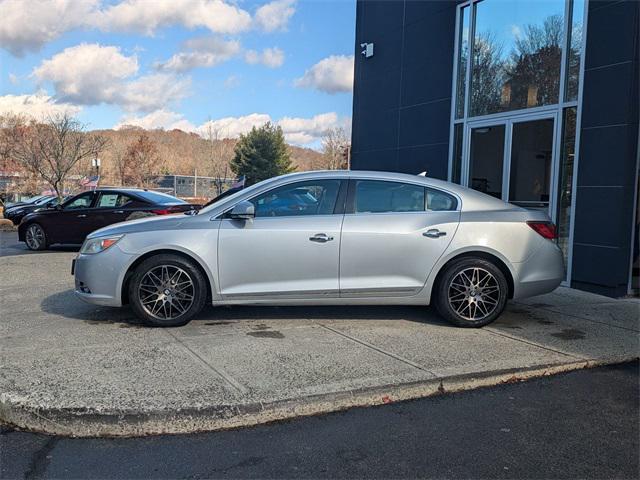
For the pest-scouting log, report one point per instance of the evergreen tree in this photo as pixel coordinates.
(262, 153)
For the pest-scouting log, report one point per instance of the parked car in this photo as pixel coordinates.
(28, 201)
(16, 214)
(80, 215)
(366, 238)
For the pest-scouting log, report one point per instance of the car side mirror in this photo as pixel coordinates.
(243, 211)
(58, 207)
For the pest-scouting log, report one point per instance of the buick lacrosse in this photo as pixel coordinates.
(321, 238)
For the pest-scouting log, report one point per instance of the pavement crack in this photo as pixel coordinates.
(534, 344)
(380, 350)
(218, 371)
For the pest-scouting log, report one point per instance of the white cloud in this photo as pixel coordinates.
(201, 52)
(299, 131)
(28, 24)
(331, 75)
(90, 74)
(144, 16)
(516, 31)
(164, 119)
(13, 79)
(270, 57)
(87, 73)
(275, 15)
(37, 106)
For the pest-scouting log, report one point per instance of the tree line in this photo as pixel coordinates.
(60, 147)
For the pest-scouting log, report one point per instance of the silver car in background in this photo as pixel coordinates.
(320, 238)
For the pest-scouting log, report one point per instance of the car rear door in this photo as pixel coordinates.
(392, 235)
(290, 249)
(111, 207)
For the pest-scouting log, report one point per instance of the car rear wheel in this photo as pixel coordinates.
(35, 237)
(167, 291)
(472, 292)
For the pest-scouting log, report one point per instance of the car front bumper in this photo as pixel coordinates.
(99, 276)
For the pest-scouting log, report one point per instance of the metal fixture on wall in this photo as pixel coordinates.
(367, 49)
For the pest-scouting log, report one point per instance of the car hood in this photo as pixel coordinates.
(147, 224)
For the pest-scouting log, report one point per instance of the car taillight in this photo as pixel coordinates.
(546, 229)
(167, 211)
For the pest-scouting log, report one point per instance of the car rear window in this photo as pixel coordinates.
(159, 198)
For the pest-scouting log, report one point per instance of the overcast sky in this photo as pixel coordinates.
(179, 63)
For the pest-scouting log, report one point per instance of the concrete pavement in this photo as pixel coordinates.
(75, 369)
(582, 424)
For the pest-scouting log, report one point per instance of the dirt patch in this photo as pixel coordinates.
(569, 334)
(266, 334)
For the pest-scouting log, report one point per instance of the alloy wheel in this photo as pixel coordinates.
(474, 293)
(166, 292)
(34, 237)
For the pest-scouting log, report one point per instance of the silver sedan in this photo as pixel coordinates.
(320, 238)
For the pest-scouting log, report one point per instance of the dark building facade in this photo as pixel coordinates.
(535, 102)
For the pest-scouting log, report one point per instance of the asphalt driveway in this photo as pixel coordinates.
(77, 369)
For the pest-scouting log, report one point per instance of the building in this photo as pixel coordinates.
(535, 102)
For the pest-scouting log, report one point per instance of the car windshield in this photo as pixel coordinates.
(43, 200)
(159, 198)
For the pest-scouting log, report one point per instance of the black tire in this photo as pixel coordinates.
(475, 303)
(36, 238)
(145, 281)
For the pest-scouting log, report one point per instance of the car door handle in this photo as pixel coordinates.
(81, 215)
(433, 233)
(321, 238)
(118, 211)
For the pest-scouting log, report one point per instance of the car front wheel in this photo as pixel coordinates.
(167, 290)
(35, 237)
(472, 292)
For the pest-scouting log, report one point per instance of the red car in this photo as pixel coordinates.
(77, 217)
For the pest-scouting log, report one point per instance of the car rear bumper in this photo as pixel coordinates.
(98, 277)
(541, 273)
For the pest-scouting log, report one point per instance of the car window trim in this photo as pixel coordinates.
(91, 204)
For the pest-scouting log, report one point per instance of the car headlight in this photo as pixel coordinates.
(99, 244)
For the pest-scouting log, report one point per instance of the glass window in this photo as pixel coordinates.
(517, 54)
(530, 174)
(463, 55)
(565, 187)
(112, 200)
(81, 201)
(486, 159)
(456, 168)
(573, 53)
(439, 201)
(374, 196)
(317, 197)
(159, 198)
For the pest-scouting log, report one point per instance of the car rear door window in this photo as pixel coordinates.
(317, 197)
(375, 196)
(438, 201)
(112, 200)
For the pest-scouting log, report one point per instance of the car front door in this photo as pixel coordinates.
(73, 222)
(290, 249)
(392, 235)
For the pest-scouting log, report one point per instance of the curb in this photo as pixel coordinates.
(16, 412)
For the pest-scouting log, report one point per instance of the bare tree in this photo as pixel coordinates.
(119, 156)
(141, 161)
(220, 153)
(53, 148)
(335, 145)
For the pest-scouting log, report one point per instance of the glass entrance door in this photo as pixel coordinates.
(513, 160)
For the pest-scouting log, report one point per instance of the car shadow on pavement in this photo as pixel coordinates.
(67, 305)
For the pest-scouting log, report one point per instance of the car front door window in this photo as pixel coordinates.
(83, 201)
(299, 199)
